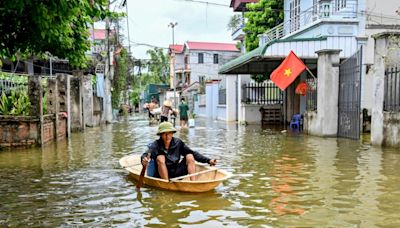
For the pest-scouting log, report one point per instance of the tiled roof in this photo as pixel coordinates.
(239, 5)
(211, 46)
(100, 34)
(177, 48)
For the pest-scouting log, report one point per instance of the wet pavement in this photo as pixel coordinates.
(280, 179)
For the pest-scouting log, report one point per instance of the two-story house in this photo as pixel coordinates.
(195, 63)
(324, 34)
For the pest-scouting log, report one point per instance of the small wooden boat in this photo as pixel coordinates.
(207, 177)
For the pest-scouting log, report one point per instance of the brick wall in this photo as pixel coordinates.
(18, 131)
(23, 131)
(48, 129)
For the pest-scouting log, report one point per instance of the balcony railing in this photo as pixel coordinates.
(319, 11)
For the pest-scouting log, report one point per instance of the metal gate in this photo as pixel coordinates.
(350, 96)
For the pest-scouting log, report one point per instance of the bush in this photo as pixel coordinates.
(17, 104)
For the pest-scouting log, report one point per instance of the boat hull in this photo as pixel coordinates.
(207, 178)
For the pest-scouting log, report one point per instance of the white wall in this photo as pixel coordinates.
(208, 69)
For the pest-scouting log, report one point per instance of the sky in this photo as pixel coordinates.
(149, 19)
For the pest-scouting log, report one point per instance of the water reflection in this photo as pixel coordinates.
(282, 179)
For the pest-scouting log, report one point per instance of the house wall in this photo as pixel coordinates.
(221, 112)
(251, 113)
(242, 79)
(231, 98)
(207, 69)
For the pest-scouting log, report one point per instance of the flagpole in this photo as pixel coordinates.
(309, 71)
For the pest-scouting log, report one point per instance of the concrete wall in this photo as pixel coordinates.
(242, 79)
(19, 131)
(231, 98)
(251, 113)
(76, 106)
(87, 100)
(384, 125)
(391, 130)
(221, 112)
(212, 99)
(97, 111)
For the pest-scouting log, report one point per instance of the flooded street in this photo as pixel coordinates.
(280, 180)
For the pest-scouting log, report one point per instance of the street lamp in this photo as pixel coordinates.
(172, 25)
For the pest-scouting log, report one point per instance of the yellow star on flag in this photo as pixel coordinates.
(288, 72)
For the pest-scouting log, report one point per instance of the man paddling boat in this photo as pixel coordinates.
(166, 153)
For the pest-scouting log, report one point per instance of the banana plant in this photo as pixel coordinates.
(5, 105)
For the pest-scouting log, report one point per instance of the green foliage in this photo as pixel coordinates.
(120, 78)
(261, 17)
(34, 27)
(158, 66)
(134, 96)
(259, 77)
(5, 105)
(16, 104)
(158, 73)
(21, 105)
(44, 103)
(234, 22)
(239, 45)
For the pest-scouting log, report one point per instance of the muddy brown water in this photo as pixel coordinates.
(280, 180)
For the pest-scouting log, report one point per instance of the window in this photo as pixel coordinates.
(294, 14)
(201, 58)
(201, 79)
(340, 4)
(215, 58)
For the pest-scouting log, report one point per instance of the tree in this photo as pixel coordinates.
(120, 78)
(234, 22)
(261, 17)
(159, 65)
(34, 27)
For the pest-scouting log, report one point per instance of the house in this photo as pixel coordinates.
(195, 64)
(333, 38)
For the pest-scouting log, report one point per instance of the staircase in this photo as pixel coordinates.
(271, 115)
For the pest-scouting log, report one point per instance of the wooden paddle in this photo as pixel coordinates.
(141, 177)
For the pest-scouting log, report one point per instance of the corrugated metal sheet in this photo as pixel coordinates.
(307, 48)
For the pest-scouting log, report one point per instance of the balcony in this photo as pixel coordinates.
(237, 33)
(322, 11)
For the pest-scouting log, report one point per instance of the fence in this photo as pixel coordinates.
(392, 89)
(311, 97)
(222, 97)
(261, 93)
(13, 82)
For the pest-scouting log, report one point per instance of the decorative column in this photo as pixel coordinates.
(326, 122)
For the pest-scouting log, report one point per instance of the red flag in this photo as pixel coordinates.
(288, 71)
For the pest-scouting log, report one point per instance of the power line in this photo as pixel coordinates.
(204, 2)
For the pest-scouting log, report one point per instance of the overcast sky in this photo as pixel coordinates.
(148, 22)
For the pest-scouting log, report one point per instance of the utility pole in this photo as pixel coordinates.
(125, 3)
(172, 25)
(107, 94)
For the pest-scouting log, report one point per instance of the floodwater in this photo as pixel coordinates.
(280, 180)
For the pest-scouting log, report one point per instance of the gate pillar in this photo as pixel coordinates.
(326, 121)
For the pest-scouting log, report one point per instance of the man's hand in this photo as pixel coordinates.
(145, 161)
(213, 162)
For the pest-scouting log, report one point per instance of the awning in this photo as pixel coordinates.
(264, 59)
(240, 65)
